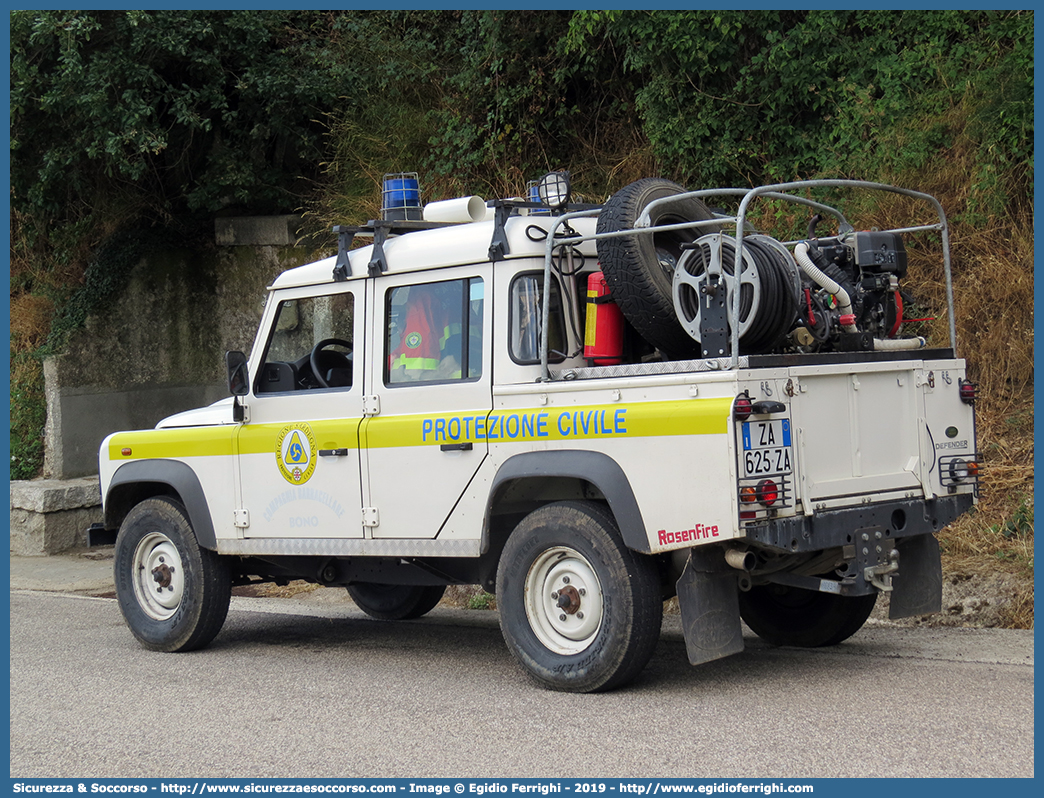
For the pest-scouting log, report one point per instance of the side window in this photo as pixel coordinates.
(310, 345)
(434, 332)
(526, 307)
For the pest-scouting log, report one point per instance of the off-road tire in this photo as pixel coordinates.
(638, 282)
(173, 594)
(605, 637)
(787, 616)
(395, 602)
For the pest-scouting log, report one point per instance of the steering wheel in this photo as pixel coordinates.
(317, 351)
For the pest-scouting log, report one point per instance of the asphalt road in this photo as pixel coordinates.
(290, 689)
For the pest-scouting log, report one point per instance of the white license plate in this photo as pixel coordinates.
(766, 447)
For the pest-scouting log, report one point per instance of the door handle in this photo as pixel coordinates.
(333, 452)
(467, 446)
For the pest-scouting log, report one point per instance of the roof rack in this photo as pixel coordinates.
(381, 230)
(504, 208)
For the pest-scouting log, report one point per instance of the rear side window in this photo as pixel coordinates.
(434, 332)
(526, 307)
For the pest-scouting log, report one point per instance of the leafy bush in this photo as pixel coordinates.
(187, 110)
(735, 98)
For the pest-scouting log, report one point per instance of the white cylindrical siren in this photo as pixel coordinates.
(460, 209)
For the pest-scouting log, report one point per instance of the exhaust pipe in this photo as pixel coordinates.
(740, 559)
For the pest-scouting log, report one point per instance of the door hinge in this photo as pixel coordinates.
(371, 405)
(242, 519)
(370, 517)
(240, 411)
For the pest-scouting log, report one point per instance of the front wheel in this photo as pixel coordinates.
(395, 602)
(173, 594)
(579, 610)
(789, 616)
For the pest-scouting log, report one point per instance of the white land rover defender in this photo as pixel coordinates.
(586, 410)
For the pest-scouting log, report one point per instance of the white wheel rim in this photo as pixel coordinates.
(159, 579)
(563, 600)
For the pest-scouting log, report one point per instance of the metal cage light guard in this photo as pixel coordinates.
(401, 197)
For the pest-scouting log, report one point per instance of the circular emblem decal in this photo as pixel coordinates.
(413, 340)
(295, 453)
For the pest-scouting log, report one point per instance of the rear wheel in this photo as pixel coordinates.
(788, 616)
(579, 610)
(395, 602)
(173, 594)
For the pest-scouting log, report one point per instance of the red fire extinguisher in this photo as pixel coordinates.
(603, 332)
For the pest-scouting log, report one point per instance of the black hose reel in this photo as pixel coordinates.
(703, 291)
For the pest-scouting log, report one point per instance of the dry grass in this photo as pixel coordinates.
(992, 266)
(1018, 614)
(31, 316)
(26, 371)
(45, 264)
(271, 590)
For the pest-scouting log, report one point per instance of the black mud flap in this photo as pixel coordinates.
(917, 587)
(708, 597)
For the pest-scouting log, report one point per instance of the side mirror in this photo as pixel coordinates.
(238, 375)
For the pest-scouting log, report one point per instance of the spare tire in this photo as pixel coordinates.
(640, 269)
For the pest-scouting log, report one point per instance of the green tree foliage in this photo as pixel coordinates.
(477, 101)
(200, 110)
(191, 110)
(122, 121)
(743, 97)
(380, 122)
(514, 99)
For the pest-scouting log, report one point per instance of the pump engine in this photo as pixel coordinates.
(850, 297)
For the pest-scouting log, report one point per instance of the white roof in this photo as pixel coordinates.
(454, 245)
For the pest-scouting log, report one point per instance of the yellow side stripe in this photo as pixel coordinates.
(644, 420)
(591, 422)
(218, 441)
(328, 433)
(160, 443)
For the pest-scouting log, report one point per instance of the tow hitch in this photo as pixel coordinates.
(880, 576)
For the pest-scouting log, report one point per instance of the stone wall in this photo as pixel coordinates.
(52, 515)
(159, 349)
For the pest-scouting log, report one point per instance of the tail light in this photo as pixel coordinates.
(964, 469)
(742, 407)
(968, 390)
(767, 492)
